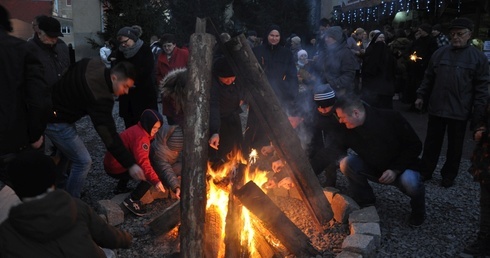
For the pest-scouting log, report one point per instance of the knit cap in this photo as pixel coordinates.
(296, 40)
(31, 173)
(222, 68)
(128, 32)
(334, 32)
(302, 52)
(324, 95)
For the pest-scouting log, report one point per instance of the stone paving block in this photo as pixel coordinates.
(368, 214)
(113, 212)
(362, 244)
(342, 206)
(330, 193)
(370, 228)
(347, 254)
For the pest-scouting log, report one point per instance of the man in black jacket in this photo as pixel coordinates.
(386, 151)
(24, 104)
(455, 89)
(88, 88)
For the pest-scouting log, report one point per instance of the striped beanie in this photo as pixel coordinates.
(324, 95)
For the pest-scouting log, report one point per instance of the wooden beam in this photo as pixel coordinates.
(168, 220)
(275, 220)
(265, 104)
(196, 134)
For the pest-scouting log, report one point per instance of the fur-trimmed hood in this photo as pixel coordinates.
(172, 86)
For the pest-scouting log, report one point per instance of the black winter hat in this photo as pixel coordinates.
(31, 173)
(50, 26)
(222, 68)
(461, 23)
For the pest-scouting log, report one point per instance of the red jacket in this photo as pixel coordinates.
(137, 141)
(179, 59)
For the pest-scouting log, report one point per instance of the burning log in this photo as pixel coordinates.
(196, 132)
(234, 220)
(212, 246)
(282, 135)
(275, 220)
(168, 220)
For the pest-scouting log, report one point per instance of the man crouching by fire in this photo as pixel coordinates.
(386, 150)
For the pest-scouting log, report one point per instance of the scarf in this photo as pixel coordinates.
(131, 51)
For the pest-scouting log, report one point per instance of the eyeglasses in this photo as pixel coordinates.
(458, 34)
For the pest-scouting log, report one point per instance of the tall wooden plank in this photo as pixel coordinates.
(196, 134)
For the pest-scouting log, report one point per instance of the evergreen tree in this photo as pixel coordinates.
(150, 15)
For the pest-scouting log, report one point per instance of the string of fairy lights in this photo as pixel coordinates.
(389, 8)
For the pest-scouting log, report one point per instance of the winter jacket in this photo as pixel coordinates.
(179, 59)
(86, 89)
(456, 83)
(143, 95)
(137, 141)
(337, 66)
(280, 69)
(25, 99)
(385, 141)
(163, 158)
(58, 225)
(378, 70)
(56, 58)
(224, 104)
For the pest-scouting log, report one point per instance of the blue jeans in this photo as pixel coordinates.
(358, 174)
(65, 137)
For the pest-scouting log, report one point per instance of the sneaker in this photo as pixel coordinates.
(476, 249)
(134, 206)
(416, 219)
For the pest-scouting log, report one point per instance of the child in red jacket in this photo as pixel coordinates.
(137, 140)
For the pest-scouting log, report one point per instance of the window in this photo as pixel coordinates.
(68, 2)
(66, 30)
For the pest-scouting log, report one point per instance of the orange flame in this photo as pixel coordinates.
(218, 195)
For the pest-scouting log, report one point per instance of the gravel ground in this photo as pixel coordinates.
(452, 214)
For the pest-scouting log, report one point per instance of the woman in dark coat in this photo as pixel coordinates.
(378, 74)
(280, 69)
(143, 95)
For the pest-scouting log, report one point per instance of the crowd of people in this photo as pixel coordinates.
(338, 91)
